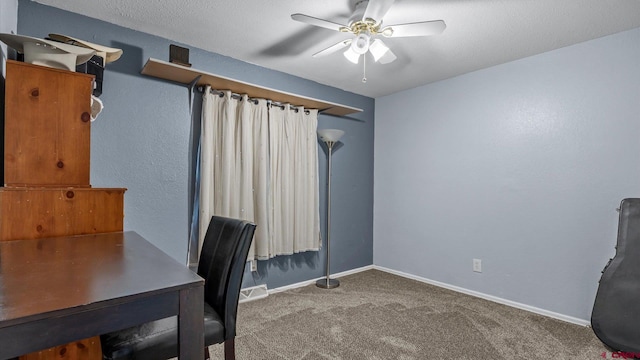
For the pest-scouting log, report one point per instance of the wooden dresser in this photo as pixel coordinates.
(46, 190)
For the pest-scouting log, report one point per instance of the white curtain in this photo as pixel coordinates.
(260, 163)
(294, 180)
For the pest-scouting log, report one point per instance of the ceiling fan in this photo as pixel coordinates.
(366, 25)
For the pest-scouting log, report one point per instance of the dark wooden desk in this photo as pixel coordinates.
(58, 290)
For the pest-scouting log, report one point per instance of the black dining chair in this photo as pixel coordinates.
(221, 264)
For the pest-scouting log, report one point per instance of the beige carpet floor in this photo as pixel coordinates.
(376, 315)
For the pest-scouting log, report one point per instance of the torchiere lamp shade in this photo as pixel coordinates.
(330, 135)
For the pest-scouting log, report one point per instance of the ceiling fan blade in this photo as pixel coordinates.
(424, 28)
(317, 22)
(376, 9)
(388, 57)
(333, 48)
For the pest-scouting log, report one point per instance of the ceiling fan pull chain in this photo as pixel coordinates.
(364, 68)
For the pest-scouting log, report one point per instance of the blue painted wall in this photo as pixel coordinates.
(143, 140)
(521, 165)
(8, 24)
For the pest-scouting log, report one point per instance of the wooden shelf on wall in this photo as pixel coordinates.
(186, 75)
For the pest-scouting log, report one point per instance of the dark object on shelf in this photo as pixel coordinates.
(94, 66)
(616, 311)
(179, 55)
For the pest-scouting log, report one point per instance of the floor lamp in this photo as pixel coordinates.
(329, 137)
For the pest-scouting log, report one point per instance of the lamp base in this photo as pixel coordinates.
(330, 284)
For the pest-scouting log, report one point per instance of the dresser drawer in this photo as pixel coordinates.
(31, 213)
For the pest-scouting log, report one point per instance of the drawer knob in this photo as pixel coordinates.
(70, 194)
(85, 117)
(60, 164)
(35, 92)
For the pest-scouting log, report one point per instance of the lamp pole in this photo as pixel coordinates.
(330, 137)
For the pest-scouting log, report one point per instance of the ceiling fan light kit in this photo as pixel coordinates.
(360, 44)
(352, 56)
(366, 25)
(378, 49)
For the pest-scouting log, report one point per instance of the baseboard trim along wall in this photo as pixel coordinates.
(517, 305)
(313, 281)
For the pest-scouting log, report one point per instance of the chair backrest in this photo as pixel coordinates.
(221, 264)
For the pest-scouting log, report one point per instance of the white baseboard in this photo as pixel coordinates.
(313, 281)
(517, 305)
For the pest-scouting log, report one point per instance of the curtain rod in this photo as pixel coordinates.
(254, 100)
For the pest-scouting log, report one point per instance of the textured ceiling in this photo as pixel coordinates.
(479, 33)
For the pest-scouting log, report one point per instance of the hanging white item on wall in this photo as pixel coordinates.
(96, 107)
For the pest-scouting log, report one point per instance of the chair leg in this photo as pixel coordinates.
(230, 349)
(207, 354)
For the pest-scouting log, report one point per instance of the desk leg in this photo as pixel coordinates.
(191, 324)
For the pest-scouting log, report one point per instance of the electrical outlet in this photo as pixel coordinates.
(477, 265)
